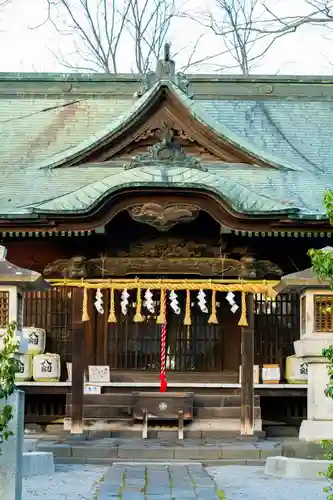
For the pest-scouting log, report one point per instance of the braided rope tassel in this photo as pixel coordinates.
(138, 318)
(161, 318)
(243, 319)
(85, 315)
(163, 382)
(112, 314)
(213, 318)
(187, 318)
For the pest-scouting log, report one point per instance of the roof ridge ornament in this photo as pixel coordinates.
(165, 153)
(165, 70)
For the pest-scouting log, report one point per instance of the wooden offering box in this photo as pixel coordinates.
(163, 405)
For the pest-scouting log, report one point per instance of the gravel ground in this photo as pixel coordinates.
(78, 482)
(70, 482)
(245, 483)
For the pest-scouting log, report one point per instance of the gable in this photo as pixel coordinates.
(167, 115)
(163, 110)
(154, 134)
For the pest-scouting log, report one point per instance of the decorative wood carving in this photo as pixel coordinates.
(170, 247)
(165, 257)
(167, 152)
(123, 266)
(163, 216)
(159, 132)
(76, 267)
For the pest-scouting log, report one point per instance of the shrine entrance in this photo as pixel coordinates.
(191, 249)
(200, 347)
(165, 240)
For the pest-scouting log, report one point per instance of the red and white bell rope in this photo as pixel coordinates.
(163, 382)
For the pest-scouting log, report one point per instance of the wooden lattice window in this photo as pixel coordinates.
(303, 314)
(323, 313)
(52, 311)
(276, 327)
(4, 309)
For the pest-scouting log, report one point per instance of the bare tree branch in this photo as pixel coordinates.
(101, 28)
(149, 23)
(321, 14)
(234, 22)
(97, 26)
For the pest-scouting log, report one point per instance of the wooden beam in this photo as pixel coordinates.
(247, 359)
(78, 362)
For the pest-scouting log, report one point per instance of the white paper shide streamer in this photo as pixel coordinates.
(230, 298)
(202, 301)
(99, 301)
(173, 297)
(124, 301)
(148, 301)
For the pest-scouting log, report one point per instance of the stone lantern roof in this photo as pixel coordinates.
(297, 282)
(10, 274)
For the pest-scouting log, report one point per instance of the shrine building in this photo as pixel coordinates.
(175, 200)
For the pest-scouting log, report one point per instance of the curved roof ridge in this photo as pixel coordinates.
(240, 198)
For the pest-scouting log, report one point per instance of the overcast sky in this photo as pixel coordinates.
(23, 48)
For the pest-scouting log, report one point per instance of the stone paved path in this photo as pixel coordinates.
(158, 482)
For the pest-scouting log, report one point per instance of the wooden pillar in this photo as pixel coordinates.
(78, 362)
(247, 359)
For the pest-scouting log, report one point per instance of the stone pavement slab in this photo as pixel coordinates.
(157, 482)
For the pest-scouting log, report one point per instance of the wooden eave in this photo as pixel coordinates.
(219, 209)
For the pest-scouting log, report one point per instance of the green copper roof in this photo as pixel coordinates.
(241, 197)
(47, 121)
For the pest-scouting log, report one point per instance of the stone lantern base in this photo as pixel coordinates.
(316, 430)
(319, 423)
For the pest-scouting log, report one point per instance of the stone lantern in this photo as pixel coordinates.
(316, 334)
(14, 281)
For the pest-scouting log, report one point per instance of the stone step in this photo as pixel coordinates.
(172, 435)
(206, 462)
(37, 463)
(202, 428)
(223, 412)
(107, 451)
